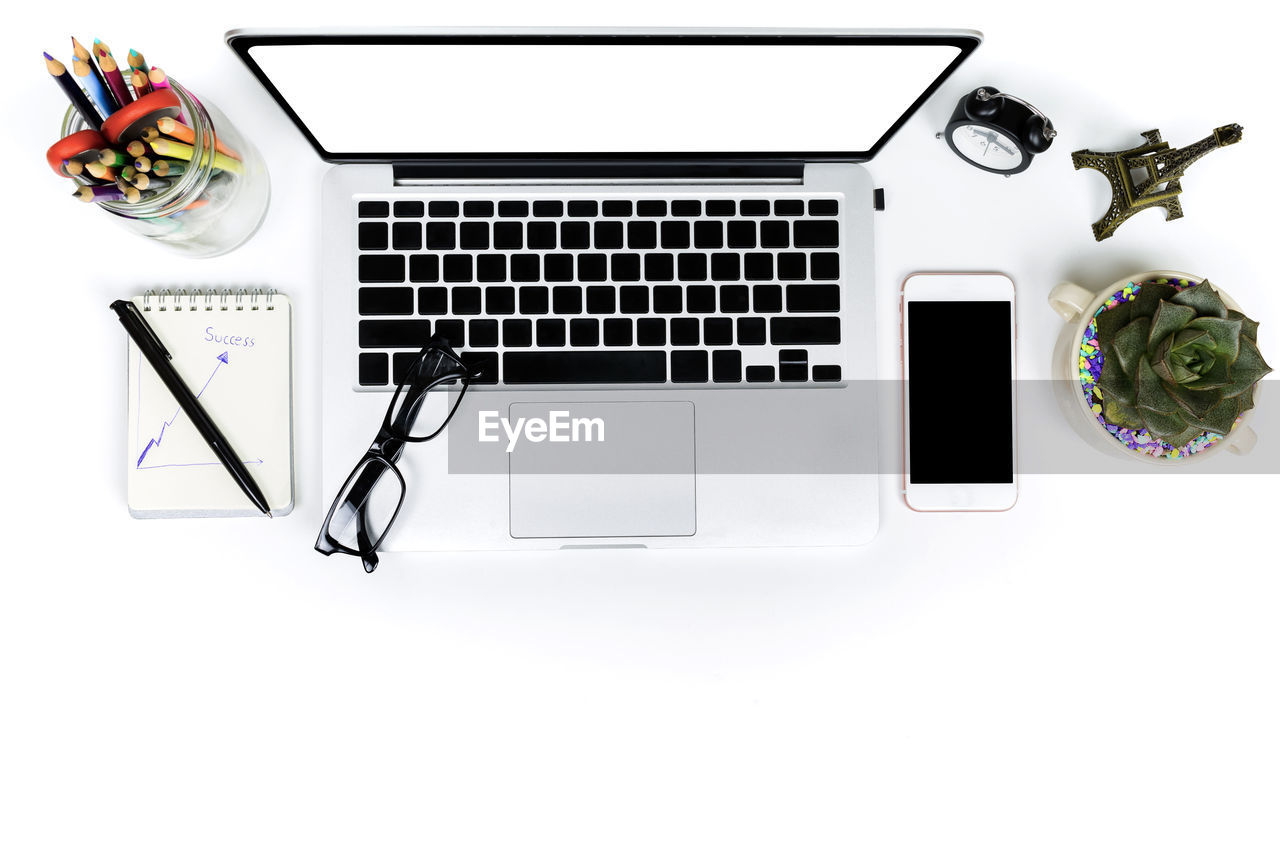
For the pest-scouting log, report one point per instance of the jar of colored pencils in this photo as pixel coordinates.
(184, 176)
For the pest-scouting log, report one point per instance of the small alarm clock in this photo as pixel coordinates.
(997, 132)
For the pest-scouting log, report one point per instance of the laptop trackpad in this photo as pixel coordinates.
(602, 469)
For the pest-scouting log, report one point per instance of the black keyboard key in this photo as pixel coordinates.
(775, 234)
(742, 234)
(754, 207)
(708, 234)
(573, 235)
(692, 266)
(584, 332)
(566, 299)
(814, 298)
(526, 268)
(483, 367)
(651, 208)
(584, 208)
(548, 208)
(442, 209)
(373, 366)
(508, 235)
(717, 331)
(410, 210)
(689, 366)
(433, 300)
(499, 301)
(542, 235)
(483, 333)
(372, 236)
(826, 373)
(790, 266)
(721, 207)
(377, 209)
(824, 266)
(651, 332)
(700, 299)
(381, 268)
(675, 235)
(766, 298)
(452, 331)
(734, 299)
(642, 235)
(477, 208)
(685, 331)
(726, 266)
(788, 207)
(386, 300)
(466, 300)
(804, 330)
(517, 333)
(686, 207)
(793, 365)
(616, 207)
(817, 234)
(424, 268)
(473, 235)
(605, 366)
(601, 299)
(401, 363)
(457, 268)
(557, 267)
(760, 373)
(624, 267)
(668, 299)
(516, 209)
(617, 332)
(550, 333)
(593, 267)
(659, 267)
(726, 366)
(534, 299)
(491, 267)
(824, 207)
(608, 234)
(750, 331)
(633, 299)
(441, 235)
(757, 266)
(394, 333)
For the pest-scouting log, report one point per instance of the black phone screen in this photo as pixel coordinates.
(959, 391)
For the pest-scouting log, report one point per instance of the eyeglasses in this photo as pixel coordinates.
(370, 499)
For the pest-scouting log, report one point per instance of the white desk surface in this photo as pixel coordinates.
(1051, 678)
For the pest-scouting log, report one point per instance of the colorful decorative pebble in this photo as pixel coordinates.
(1139, 441)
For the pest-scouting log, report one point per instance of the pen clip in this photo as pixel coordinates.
(128, 305)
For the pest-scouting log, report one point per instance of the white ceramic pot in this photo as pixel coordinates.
(1077, 306)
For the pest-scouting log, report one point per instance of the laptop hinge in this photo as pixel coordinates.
(474, 172)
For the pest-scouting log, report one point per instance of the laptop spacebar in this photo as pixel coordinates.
(538, 368)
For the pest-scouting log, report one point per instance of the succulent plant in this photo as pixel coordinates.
(1177, 363)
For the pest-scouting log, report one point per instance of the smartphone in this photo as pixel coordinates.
(959, 397)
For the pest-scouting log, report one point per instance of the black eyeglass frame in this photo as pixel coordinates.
(387, 447)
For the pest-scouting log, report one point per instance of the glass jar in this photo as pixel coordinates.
(217, 202)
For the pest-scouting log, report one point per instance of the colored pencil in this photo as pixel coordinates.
(159, 80)
(111, 157)
(145, 182)
(96, 88)
(142, 164)
(106, 193)
(73, 168)
(178, 130)
(74, 93)
(136, 61)
(128, 173)
(115, 79)
(149, 133)
(165, 168)
(141, 85)
(82, 53)
(169, 148)
(137, 148)
(133, 195)
(101, 172)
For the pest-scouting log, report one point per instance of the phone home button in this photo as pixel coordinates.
(961, 498)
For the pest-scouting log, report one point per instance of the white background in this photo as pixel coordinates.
(1094, 670)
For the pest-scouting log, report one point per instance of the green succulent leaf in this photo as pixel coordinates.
(1204, 298)
(1169, 318)
(1130, 344)
(1148, 298)
(1167, 425)
(1220, 418)
(1195, 404)
(1113, 320)
(1225, 333)
(1248, 328)
(1152, 396)
(1122, 414)
(1183, 437)
(1248, 369)
(1112, 382)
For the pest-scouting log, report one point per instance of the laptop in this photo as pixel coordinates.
(655, 247)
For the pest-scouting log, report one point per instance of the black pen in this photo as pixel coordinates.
(145, 337)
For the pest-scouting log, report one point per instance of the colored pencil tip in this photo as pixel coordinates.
(47, 56)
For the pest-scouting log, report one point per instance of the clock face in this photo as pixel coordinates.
(987, 147)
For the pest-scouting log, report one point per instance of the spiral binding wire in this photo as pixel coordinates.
(241, 299)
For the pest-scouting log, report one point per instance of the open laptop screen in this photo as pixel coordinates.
(379, 98)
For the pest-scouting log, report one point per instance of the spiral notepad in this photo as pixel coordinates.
(234, 351)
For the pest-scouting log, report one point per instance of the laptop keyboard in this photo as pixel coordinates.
(603, 291)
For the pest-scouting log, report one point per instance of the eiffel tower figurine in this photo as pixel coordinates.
(1159, 183)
